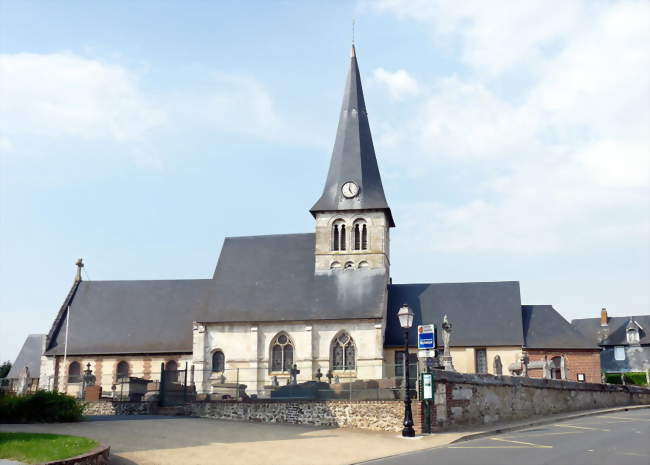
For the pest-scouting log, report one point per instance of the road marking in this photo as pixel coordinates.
(552, 434)
(634, 454)
(631, 419)
(490, 447)
(580, 427)
(541, 446)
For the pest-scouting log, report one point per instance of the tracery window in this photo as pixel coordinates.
(339, 236)
(122, 370)
(360, 235)
(218, 361)
(74, 373)
(281, 353)
(343, 352)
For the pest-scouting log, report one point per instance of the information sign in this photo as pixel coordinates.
(426, 337)
(427, 386)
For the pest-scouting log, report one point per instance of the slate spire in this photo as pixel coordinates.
(353, 157)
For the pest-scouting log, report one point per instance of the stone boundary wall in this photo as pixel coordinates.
(98, 456)
(469, 399)
(370, 415)
(109, 407)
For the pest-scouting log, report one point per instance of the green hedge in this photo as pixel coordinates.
(630, 378)
(42, 406)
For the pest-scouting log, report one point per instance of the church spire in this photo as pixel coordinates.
(353, 181)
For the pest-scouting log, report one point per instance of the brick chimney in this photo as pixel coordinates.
(603, 332)
(603, 317)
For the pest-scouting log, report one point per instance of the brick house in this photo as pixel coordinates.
(555, 349)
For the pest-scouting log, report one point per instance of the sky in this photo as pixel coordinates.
(512, 137)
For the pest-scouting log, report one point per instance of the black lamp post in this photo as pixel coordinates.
(405, 316)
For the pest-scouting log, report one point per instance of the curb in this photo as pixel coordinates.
(97, 456)
(545, 421)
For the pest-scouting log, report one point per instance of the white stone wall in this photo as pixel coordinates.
(247, 347)
(377, 255)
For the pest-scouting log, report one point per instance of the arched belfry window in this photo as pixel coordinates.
(281, 353)
(218, 361)
(360, 235)
(344, 353)
(339, 236)
(74, 373)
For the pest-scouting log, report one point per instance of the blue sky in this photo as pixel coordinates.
(512, 138)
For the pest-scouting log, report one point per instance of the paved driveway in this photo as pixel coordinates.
(620, 438)
(155, 440)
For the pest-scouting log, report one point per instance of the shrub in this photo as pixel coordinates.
(613, 378)
(636, 378)
(42, 406)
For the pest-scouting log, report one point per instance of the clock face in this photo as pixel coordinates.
(350, 189)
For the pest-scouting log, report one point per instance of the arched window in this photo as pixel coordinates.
(171, 370)
(74, 373)
(344, 353)
(336, 266)
(349, 266)
(122, 370)
(339, 241)
(218, 361)
(281, 353)
(360, 235)
(364, 264)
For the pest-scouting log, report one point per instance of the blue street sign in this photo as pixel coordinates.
(426, 337)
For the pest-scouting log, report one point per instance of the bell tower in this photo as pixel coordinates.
(353, 218)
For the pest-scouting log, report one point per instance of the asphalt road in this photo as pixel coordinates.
(621, 438)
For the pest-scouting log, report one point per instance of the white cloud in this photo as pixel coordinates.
(400, 83)
(68, 95)
(568, 159)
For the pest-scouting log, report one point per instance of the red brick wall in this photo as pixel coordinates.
(577, 361)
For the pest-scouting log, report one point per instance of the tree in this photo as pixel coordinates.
(4, 368)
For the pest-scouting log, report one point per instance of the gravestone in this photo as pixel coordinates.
(293, 374)
(93, 393)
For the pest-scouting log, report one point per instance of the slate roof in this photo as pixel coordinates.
(259, 278)
(271, 278)
(29, 356)
(353, 156)
(481, 314)
(114, 317)
(590, 327)
(545, 328)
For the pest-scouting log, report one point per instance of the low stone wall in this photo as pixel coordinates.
(109, 407)
(465, 399)
(370, 415)
(98, 456)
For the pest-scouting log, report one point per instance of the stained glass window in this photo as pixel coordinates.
(218, 361)
(343, 353)
(281, 354)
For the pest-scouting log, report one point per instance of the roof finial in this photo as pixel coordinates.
(353, 53)
(80, 265)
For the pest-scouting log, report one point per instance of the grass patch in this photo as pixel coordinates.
(36, 448)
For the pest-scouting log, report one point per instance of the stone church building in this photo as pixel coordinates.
(321, 300)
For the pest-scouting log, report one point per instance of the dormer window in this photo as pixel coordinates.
(338, 236)
(632, 332)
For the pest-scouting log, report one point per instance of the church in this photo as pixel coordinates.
(322, 300)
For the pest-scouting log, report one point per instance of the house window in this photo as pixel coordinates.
(399, 363)
(480, 360)
(218, 361)
(343, 353)
(338, 236)
(619, 353)
(122, 370)
(556, 368)
(633, 336)
(281, 354)
(74, 373)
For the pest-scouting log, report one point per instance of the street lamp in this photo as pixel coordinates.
(405, 316)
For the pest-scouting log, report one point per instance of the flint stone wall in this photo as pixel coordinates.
(370, 415)
(468, 399)
(109, 407)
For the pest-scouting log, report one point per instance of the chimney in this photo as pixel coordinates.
(603, 317)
